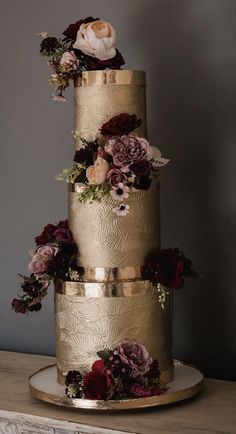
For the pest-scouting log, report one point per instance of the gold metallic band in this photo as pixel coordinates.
(119, 76)
(105, 289)
(106, 274)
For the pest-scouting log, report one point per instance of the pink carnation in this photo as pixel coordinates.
(127, 149)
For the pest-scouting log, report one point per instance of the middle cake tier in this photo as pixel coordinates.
(106, 241)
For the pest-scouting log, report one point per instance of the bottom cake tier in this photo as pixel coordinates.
(94, 316)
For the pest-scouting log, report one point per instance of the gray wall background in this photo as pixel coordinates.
(188, 49)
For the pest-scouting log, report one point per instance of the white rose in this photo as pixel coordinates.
(96, 39)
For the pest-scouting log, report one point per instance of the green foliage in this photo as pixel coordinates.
(70, 174)
(104, 354)
(94, 193)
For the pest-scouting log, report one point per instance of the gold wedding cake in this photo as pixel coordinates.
(112, 302)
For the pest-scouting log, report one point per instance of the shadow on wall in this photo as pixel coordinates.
(191, 98)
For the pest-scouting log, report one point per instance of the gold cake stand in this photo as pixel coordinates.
(188, 381)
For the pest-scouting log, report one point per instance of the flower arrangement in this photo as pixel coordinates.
(54, 258)
(86, 45)
(114, 163)
(126, 372)
(168, 267)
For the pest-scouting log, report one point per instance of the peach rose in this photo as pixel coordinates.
(96, 39)
(97, 174)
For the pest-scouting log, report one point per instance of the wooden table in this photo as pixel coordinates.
(213, 411)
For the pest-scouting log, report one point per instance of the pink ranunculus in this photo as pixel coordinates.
(48, 250)
(37, 267)
(128, 149)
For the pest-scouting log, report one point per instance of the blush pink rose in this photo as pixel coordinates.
(37, 267)
(48, 250)
(69, 59)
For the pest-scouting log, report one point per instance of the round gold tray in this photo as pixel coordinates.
(188, 381)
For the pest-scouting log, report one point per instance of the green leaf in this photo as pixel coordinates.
(104, 354)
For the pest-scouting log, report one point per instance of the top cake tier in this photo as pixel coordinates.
(100, 95)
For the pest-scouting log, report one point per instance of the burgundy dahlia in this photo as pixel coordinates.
(141, 167)
(120, 125)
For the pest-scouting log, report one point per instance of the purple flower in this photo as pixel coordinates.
(18, 306)
(115, 176)
(127, 149)
(63, 235)
(136, 356)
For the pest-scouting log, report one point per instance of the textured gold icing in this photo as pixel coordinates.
(107, 240)
(100, 95)
(86, 325)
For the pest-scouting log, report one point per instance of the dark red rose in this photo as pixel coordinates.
(71, 31)
(63, 235)
(96, 385)
(49, 46)
(169, 267)
(92, 63)
(98, 366)
(141, 167)
(142, 182)
(18, 306)
(63, 224)
(46, 235)
(120, 125)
